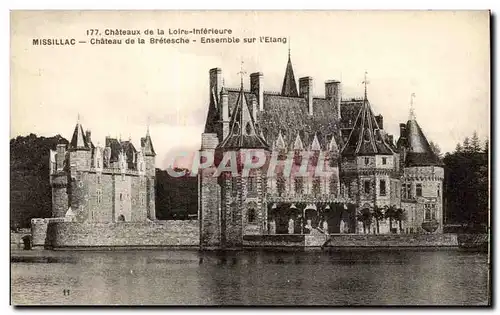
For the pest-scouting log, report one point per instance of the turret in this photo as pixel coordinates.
(149, 159)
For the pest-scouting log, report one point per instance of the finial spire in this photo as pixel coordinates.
(412, 109)
(147, 125)
(241, 73)
(289, 50)
(366, 82)
(78, 119)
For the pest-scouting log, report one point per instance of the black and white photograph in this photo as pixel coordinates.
(250, 158)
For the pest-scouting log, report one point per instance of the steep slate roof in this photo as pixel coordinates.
(289, 86)
(419, 152)
(79, 140)
(116, 147)
(366, 138)
(242, 130)
(290, 116)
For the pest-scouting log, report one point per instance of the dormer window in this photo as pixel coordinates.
(248, 128)
(236, 128)
(366, 135)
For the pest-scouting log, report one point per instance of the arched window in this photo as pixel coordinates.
(251, 216)
(121, 218)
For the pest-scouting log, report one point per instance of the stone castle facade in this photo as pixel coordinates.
(114, 183)
(368, 169)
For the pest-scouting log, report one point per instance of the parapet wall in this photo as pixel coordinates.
(392, 240)
(123, 234)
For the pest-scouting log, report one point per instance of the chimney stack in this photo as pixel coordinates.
(215, 85)
(402, 130)
(87, 136)
(60, 156)
(225, 113)
(333, 92)
(257, 88)
(254, 107)
(380, 121)
(306, 91)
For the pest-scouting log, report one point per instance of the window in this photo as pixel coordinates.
(251, 216)
(121, 197)
(252, 184)
(248, 128)
(367, 161)
(299, 185)
(384, 160)
(316, 186)
(99, 196)
(419, 190)
(234, 184)
(367, 186)
(333, 186)
(439, 190)
(141, 199)
(407, 191)
(430, 211)
(98, 179)
(382, 188)
(280, 184)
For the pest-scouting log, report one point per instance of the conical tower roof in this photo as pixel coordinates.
(147, 145)
(366, 137)
(418, 150)
(242, 130)
(79, 141)
(289, 85)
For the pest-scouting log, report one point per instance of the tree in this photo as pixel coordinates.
(475, 143)
(436, 149)
(30, 191)
(486, 146)
(467, 148)
(458, 148)
(365, 216)
(400, 215)
(390, 213)
(378, 214)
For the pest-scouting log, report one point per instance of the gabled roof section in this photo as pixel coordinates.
(366, 137)
(242, 130)
(297, 145)
(419, 152)
(289, 85)
(315, 144)
(79, 140)
(332, 146)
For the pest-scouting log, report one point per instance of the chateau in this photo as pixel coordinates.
(111, 184)
(331, 173)
(369, 170)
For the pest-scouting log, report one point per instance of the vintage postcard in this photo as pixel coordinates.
(250, 158)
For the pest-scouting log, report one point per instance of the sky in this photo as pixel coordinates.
(441, 56)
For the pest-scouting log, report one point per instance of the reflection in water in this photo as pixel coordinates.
(354, 277)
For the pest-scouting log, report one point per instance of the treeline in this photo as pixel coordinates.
(30, 192)
(176, 197)
(466, 190)
(31, 195)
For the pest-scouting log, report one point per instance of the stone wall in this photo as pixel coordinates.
(277, 240)
(394, 240)
(39, 231)
(123, 234)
